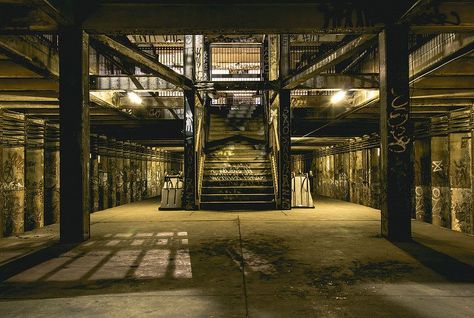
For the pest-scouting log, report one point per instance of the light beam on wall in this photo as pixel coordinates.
(338, 97)
(134, 98)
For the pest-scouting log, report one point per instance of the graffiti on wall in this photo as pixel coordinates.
(397, 122)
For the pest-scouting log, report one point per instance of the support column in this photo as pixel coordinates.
(284, 127)
(112, 175)
(396, 135)
(103, 173)
(13, 173)
(51, 175)
(94, 174)
(374, 177)
(144, 185)
(460, 176)
(34, 174)
(119, 183)
(126, 173)
(74, 120)
(440, 191)
(189, 144)
(422, 150)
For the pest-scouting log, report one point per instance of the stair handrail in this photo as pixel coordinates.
(273, 143)
(199, 151)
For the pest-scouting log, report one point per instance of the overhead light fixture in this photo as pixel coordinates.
(134, 98)
(338, 97)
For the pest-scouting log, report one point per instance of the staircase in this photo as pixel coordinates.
(241, 121)
(237, 170)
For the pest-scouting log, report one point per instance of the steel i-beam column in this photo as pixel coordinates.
(74, 132)
(284, 127)
(396, 135)
(189, 146)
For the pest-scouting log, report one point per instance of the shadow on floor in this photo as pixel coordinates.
(445, 265)
(33, 259)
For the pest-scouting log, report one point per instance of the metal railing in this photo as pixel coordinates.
(271, 125)
(200, 143)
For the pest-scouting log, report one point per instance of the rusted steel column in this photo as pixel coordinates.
(94, 173)
(13, 174)
(396, 135)
(75, 129)
(34, 174)
(284, 127)
(51, 175)
(103, 173)
(189, 197)
(126, 173)
(112, 172)
(119, 177)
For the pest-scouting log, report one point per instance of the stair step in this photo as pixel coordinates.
(236, 183)
(252, 165)
(238, 190)
(238, 206)
(237, 169)
(238, 154)
(254, 197)
(236, 160)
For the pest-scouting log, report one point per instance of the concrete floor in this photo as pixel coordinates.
(326, 262)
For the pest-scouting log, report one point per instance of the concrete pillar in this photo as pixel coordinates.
(144, 185)
(359, 177)
(374, 177)
(112, 172)
(13, 173)
(422, 211)
(52, 188)
(126, 173)
(155, 172)
(119, 177)
(344, 178)
(149, 173)
(134, 172)
(440, 192)
(103, 173)
(460, 176)
(353, 177)
(34, 174)
(74, 127)
(396, 134)
(94, 173)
